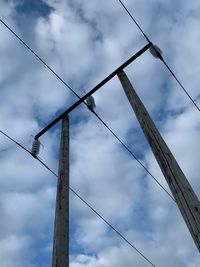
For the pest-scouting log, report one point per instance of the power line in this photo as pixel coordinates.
(114, 229)
(32, 51)
(175, 77)
(26, 150)
(136, 23)
(134, 156)
(161, 58)
(40, 59)
(82, 199)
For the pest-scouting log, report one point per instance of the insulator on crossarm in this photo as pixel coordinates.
(155, 51)
(35, 147)
(90, 102)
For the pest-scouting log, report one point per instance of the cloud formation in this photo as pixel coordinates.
(83, 41)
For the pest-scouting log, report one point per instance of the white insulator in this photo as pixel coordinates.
(155, 51)
(90, 102)
(35, 147)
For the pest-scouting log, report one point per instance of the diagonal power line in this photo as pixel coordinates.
(180, 84)
(38, 57)
(161, 58)
(114, 135)
(134, 156)
(83, 200)
(134, 20)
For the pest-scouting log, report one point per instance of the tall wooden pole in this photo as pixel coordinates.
(182, 191)
(61, 225)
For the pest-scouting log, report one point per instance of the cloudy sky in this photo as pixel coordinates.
(84, 41)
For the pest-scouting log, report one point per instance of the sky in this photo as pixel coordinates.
(84, 41)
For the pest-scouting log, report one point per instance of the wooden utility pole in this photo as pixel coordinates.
(61, 225)
(182, 191)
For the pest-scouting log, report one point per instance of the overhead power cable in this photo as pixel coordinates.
(33, 52)
(161, 58)
(133, 155)
(134, 20)
(180, 84)
(114, 229)
(82, 199)
(40, 59)
(26, 150)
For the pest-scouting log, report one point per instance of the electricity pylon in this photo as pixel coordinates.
(182, 191)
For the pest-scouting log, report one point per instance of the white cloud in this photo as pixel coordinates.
(15, 251)
(84, 42)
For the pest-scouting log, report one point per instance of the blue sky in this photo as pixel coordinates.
(33, 8)
(84, 41)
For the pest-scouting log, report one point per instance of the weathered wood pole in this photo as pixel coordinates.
(182, 191)
(61, 225)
